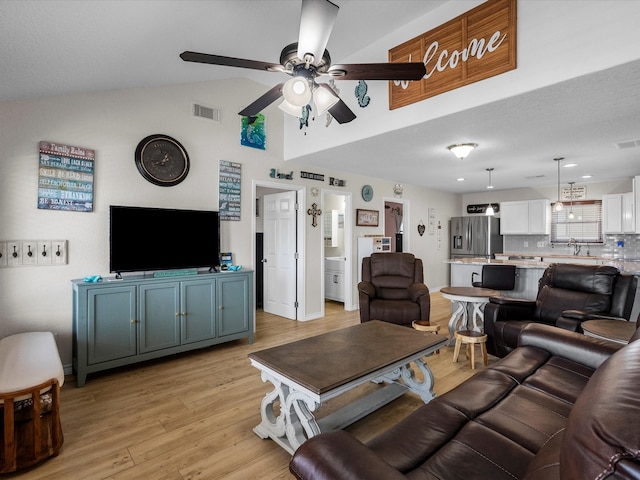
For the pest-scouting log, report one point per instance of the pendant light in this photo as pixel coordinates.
(558, 206)
(489, 211)
(571, 214)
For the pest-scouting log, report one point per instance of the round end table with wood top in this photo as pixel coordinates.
(463, 297)
(619, 331)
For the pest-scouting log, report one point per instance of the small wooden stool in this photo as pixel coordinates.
(471, 338)
(425, 326)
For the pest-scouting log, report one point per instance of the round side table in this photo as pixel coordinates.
(618, 331)
(463, 297)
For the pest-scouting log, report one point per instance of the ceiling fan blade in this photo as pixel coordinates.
(378, 71)
(230, 61)
(263, 102)
(316, 22)
(341, 112)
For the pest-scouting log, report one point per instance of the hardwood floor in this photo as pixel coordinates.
(191, 416)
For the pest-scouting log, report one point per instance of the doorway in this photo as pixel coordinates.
(396, 216)
(337, 248)
(277, 213)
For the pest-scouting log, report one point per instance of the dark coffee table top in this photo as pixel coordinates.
(333, 359)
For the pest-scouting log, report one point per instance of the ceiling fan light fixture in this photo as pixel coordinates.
(461, 150)
(324, 99)
(317, 18)
(290, 109)
(296, 91)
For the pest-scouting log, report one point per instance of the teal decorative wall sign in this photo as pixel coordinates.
(253, 132)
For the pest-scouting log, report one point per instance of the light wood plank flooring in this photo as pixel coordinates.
(191, 416)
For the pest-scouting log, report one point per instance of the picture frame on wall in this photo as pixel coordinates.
(367, 218)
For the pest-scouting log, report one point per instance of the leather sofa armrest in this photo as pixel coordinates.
(417, 290)
(367, 288)
(584, 316)
(338, 455)
(588, 351)
(514, 302)
(572, 319)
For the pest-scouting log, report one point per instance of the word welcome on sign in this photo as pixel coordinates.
(476, 45)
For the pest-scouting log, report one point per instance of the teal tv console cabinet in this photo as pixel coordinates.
(139, 318)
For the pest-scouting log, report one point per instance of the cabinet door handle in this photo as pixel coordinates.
(133, 320)
(181, 314)
(220, 307)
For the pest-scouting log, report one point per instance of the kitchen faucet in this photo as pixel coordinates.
(576, 247)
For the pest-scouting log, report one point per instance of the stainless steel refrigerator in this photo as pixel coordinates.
(475, 236)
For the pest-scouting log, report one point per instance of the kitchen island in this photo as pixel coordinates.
(528, 272)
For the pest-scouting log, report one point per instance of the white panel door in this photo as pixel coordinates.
(280, 248)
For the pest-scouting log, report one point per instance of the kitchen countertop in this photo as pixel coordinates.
(624, 265)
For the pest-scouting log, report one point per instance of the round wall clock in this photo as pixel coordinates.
(162, 160)
(367, 193)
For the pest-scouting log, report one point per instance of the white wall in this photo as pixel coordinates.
(112, 123)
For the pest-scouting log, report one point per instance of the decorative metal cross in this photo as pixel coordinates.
(315, 211)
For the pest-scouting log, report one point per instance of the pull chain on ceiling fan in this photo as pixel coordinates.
(307, 60)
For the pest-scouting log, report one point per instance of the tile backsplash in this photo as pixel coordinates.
(528, 244)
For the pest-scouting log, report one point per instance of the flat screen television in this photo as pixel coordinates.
(145, 239)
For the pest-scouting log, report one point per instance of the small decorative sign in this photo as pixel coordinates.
(579, 193)
(432, 221)
(337, 182)
(481, 208)
(230, 178)
(273, 173)
(367, 218)
(65, 177)
(312, 176)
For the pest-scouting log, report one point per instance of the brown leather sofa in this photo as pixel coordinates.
(568, 295)
(560, 406)
(392, 289)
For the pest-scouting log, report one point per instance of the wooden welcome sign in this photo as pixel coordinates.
(476, 45)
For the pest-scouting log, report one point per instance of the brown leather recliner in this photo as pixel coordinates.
(568, 295)
(392, 289)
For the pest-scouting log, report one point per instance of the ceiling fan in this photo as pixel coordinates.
(308, 60)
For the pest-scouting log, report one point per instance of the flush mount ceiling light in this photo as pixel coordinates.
(558, 206)
(461, 150)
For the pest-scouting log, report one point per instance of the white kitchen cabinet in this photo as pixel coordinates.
(618, 213)
(525, 217)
